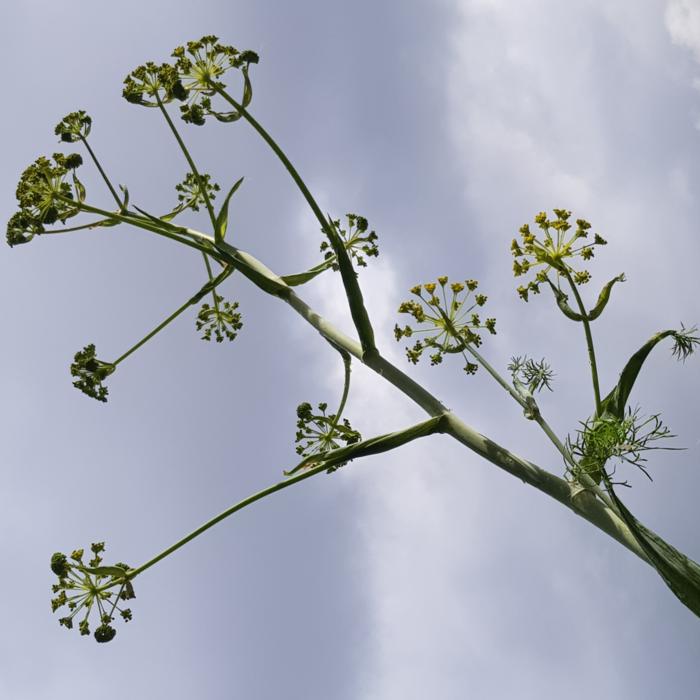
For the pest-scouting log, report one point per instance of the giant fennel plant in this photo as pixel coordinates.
(442, 318)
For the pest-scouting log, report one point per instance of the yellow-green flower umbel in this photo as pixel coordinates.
(448, 318)
(550, 251)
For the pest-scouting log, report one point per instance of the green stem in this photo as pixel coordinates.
(117, 199)
(206, 244)
(589, 340)
(376, 445)
(192, 300)
(353, 292)
(481, 360)
(94, 224)
(546, 428)
(190, 161)
(346, 389)
(222, 516)
(214, 297)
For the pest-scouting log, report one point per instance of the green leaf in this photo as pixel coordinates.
(222, 218)
(604, 297)
(247, 88)
(616, 401)
(125, 203)
(303, 277)
(254, 270)
(79, 188)
(681, 574)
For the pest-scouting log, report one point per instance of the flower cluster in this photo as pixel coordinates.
(320, 432)
(534, 375)
(152, 85)
(83, 588)
(450, 324)
(74, 127)
(90, 373)
(625, 440)
(222, 320)
(193, 191)
(551, 252)
(45, 196)
(356, 240)
(200, 66)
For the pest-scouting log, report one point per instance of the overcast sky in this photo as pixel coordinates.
(422, 573)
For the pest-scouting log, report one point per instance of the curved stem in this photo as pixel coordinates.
(346, 389)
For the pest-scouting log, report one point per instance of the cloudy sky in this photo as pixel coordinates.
(422, 573)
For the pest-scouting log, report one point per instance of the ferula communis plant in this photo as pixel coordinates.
(447, 318)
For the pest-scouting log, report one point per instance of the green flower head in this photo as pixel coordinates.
(191, 191)
(448, 316)
(551, 250)
(45, 196)
(90, 373)
(356, 239)
(153, 85)
(86, 589)
(320, 432)
(200, 65)
(220, 320)
(74, 127)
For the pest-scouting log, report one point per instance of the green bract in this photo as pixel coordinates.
(450, 324)
(552, 252)
(86, 588)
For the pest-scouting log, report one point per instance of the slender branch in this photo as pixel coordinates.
(190, 161)
(201, 241)
(353, 292)
(210, 286)
(215, 298)
(376, 445)
(589, 340)
(116, 197)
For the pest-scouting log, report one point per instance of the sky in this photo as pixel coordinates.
(422, 572)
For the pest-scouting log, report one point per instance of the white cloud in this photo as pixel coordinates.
(682, 18)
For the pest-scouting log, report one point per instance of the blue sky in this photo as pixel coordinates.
(424, 572)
